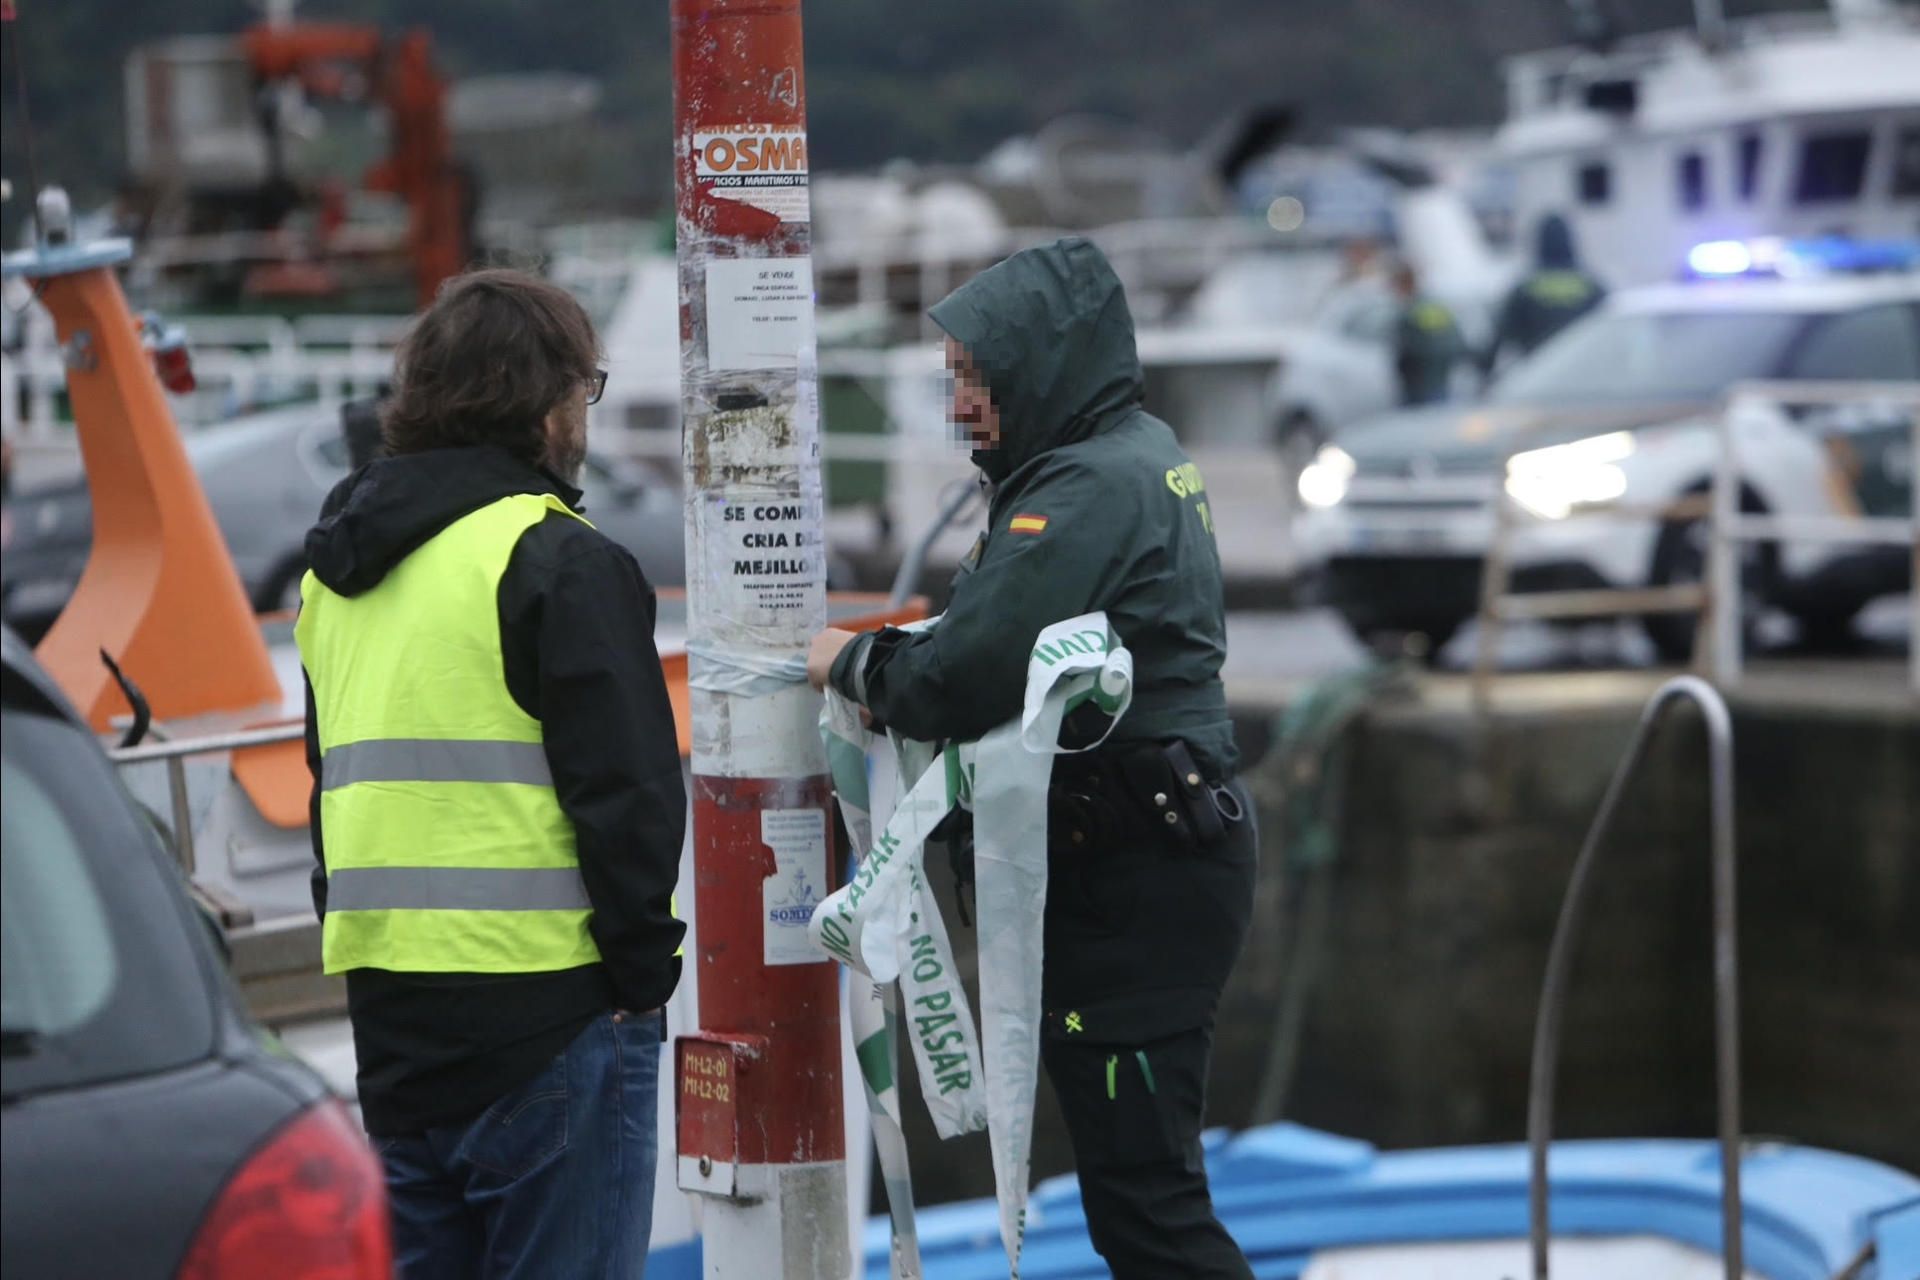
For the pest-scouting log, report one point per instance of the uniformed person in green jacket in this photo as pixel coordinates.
(1551, 296)
(1426, 342)
(1152, 845)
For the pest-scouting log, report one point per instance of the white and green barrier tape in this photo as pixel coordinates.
(885, 924)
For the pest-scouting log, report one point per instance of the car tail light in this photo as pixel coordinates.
(310, 1204)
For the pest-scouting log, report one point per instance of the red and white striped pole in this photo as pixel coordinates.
(758, 1091)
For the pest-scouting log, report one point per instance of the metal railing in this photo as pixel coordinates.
(1158, 260)
(1726, 971)
(173, 752)
(276, 962)
(238, 362)
(246, 361)
(1732, 526)
(1500, 604)
(1717, 598)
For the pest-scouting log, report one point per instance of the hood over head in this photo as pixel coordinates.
(1050, 331)
(1553, 247)
(381, 513)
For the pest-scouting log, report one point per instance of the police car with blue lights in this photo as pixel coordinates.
(1623, 409)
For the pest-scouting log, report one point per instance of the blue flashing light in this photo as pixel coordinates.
(1773, 257)
(1835, 253)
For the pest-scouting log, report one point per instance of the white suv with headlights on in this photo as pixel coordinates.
(1621, 408)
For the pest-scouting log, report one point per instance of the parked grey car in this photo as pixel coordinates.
(137, 1090)
(265, 476)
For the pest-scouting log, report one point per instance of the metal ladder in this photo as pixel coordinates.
(1726, 975)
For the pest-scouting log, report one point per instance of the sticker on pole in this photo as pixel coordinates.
(798, 838)
(761, 165)
(759, 313)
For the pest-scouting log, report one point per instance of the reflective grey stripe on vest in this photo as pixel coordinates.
(456, 889)
(434, 760)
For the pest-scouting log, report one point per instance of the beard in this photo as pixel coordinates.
(567, 446)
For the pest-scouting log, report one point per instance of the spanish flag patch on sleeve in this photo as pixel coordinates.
(1028, 524)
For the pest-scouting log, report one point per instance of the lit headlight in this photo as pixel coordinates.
(1552, 482)
(1324, 481)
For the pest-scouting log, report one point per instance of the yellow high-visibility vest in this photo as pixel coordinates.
(446, 847)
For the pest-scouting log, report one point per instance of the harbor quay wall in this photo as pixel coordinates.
(1424, 951)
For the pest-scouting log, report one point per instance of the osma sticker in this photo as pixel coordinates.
(760, 165)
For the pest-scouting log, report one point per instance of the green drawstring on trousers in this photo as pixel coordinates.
(1146, 1072)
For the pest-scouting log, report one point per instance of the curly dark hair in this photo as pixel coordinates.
(486, 363)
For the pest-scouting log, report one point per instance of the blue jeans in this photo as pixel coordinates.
(555, 1179)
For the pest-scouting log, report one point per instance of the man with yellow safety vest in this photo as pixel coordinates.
(498, 806)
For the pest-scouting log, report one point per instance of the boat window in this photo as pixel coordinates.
(1647, 356)
(1906, 161)
(1872, 345)
(1833, 166)
(1594, 182)
(1692, 181)
(1751, 149)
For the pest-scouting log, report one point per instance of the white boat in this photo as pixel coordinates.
(1799, 124)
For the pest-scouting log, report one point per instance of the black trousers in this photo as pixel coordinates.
(1133, 1114)
(1140, 940)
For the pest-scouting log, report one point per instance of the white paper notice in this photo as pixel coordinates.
(798, 838)
(758, 550)
(759, 312)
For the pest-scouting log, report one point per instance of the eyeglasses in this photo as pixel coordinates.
(596, 386)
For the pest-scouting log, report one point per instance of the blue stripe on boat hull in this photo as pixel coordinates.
(1287, 1193)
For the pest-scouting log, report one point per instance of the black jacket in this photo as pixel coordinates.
(576, 629)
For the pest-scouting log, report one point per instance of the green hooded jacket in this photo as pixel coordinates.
(1095, 507)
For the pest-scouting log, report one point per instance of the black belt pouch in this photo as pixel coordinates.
(1169, 786)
